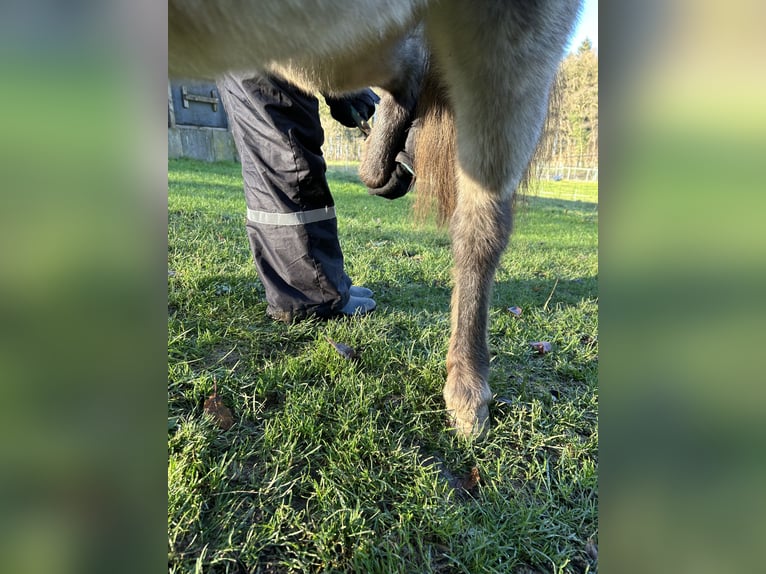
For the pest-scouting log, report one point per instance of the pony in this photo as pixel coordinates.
(476, 73)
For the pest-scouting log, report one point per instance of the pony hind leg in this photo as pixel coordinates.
(407, 64)
(480, 227)
(498, 60)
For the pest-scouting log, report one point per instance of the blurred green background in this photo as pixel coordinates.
(83, 286)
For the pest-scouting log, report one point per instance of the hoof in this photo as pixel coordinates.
(469, 424)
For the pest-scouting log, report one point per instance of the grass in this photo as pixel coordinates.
(338, 466)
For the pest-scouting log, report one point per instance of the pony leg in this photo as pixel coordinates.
(498, 60)
(480, 228)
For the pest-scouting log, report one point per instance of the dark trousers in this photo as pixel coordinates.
(291, 220)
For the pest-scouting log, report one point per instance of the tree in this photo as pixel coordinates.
(586, 46)
(574, 126)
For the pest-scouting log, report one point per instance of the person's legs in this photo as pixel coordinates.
(291, 222)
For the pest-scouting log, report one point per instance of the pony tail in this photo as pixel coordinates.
(436, 148)
(435, 152)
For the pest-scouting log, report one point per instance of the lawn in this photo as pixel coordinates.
(345, 466)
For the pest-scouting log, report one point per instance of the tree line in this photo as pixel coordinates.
(572, 128)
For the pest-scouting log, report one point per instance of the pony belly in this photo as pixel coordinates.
(208, 38)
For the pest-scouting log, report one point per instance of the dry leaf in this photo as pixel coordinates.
(220, 412)
(588, 341)
(343, 350)
(515, 310)
(541, 347)
(469, 481)
(591, 549)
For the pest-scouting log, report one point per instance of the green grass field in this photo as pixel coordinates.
(341, 466)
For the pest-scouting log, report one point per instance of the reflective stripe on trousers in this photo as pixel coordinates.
(295, 218)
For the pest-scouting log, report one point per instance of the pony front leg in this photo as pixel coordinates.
(480, 228)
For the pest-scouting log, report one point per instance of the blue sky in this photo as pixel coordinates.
(588, 26)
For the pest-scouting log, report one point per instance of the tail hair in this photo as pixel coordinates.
(435, 152)
(436, 149)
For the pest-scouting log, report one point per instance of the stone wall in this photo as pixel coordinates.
(198, 142)
(203, 143)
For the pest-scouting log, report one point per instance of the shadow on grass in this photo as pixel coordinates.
(433, 297)
(244, 293)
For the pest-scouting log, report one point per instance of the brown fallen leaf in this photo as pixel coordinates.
(515, 310)
(469, 481)
(541, 347)
(591, 549)
(343, 350)
(220, 412)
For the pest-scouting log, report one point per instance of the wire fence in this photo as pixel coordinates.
(338, 146)
(542, 173)
(572, 190)
(582, 187)
(566, 173)
(345, 145)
